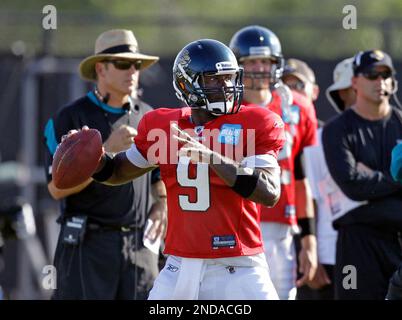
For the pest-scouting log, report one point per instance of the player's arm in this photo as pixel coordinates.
(120, 139)
(305, 218)
(158, 212)
(260, 184)
(125, 165)
(118, 170)
(304, 199)
(58, 194)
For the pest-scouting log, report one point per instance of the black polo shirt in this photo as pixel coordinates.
(349, 139)
(126, 204)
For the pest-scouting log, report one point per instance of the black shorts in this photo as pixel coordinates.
(395, 285)
(374, 254)
(108, 265)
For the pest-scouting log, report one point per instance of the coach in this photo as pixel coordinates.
(357, 146)
(100, 252)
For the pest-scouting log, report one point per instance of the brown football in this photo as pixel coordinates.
(76, 158)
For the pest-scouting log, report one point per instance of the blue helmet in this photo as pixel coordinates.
(259, 42)
(203, 58)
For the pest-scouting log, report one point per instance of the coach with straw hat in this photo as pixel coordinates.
(100, 253)
(115, 44)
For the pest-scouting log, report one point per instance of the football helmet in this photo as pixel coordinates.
(208, 58)
(254, 42)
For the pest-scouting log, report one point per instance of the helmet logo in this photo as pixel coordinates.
(260, 51)
(193, 97)
(184, 59)
(224, 65)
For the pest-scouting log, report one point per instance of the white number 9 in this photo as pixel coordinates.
(200, 183)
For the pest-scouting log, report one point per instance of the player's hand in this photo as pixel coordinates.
(307, 259)
(193, 149)
(320, 279)
(120, 139)
(158, 215)
(71, 132)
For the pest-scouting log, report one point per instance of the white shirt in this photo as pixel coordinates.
(332, 203)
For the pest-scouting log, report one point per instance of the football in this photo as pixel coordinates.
(76, 158)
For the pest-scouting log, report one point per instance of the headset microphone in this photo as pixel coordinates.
(106, 98)
(393, 93)
(393, 90)
(126, 107)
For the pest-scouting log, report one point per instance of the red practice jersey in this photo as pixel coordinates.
(300, 131)
(206, 218)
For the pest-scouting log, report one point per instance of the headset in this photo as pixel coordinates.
(126, 107)
(393, 92)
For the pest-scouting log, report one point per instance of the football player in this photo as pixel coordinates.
(217, 160)
(259, 51)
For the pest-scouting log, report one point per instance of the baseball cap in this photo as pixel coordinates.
(299, 69)
(342, 76)
(365, 60)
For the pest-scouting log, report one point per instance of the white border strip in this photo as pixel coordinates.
(136, 157)
(260, 161)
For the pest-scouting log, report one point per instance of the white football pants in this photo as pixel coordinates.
(281, 258)
(213, 279)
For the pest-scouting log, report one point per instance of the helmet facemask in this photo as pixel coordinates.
(217, 98)
(271, 77)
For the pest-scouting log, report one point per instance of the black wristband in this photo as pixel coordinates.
(307, 226)
(106, 172)
(245, 184)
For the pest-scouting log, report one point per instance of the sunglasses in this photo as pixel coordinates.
(373, 74)
(125, 64)
(298, 85)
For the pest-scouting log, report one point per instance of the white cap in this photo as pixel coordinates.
(343, 74)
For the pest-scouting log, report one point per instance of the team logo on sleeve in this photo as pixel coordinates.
(230, 134)
(291, 115)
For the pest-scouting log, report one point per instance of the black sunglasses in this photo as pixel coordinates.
(125, 64)
(298, 85)
(373, 74)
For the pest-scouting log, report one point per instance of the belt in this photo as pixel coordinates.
(99, 227)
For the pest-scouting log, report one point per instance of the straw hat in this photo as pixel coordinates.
(116, 43)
